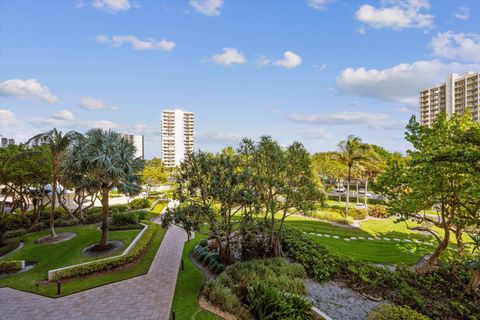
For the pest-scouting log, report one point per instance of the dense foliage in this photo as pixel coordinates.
(393, 312)
(10, 266)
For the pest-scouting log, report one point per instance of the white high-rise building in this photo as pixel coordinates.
(177, 136)
(138, 142)
(457, 94)
(4, 141)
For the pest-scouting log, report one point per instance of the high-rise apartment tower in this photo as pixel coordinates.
(177, 136)
(457, 94)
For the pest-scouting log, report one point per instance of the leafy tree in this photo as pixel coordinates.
(57, 143)
(438, 173)
(153, 174)
(329, 169)
(108, 159)
(351, 152)
(370, 168)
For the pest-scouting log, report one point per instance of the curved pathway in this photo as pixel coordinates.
(145, 297)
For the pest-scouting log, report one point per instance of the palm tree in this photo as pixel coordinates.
(108, 159)
(351, 151)
(371, 167)
(57, 143)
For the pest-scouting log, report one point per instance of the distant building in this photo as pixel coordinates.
(4, 141)
(138, 142)
(457, 94)
(176, 137)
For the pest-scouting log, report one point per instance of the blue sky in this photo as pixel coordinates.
(308, 70)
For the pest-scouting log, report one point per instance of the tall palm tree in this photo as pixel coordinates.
(351, 152)
(371, 167)
(57, 143)
(108, 159)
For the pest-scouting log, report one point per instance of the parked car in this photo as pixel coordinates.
(339, 189)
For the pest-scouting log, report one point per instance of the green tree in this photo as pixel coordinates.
(351, 152)
(328, 168)
(437, 174)
(153, 174)
(370, 169)
(108, 159)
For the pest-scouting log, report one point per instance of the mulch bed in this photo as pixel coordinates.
(62, 236)
(94, 251)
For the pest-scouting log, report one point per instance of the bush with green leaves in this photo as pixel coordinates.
(393, 312)
(113, 262)
(378, 211)
(10, 266)
(139, 203)
(203, 243)
(229, 290)
(124, 219)
(8, 246)
(331, 216)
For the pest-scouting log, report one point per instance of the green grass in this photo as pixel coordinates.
(189, 283)
(66, 253)
(377, 251)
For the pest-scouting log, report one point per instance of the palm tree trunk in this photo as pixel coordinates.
(338, 190)
(357, 190)
(105, 222)
(52, 212)
(348, 191)
(366, 197)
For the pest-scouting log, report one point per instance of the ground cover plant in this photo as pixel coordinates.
(261, 289)
(439, 295)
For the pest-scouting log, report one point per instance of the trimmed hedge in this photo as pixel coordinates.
(113, 262)
(139, 203)
(10, 266)
(9, 246)
(393, 312)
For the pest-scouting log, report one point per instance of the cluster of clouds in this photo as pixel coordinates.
(118, 41)
(231, 56)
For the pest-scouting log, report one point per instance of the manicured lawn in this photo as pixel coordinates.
(189, 283)
(53, 256)
(376, 251)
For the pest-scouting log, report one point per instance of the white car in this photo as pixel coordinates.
(339, 189)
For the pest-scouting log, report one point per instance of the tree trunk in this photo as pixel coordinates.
(430, 263)
(474, 283)
(458, 237)
(339, 193)
(225, 253)
(348, 192)
(52, 212)
(357, 190)
(105, 222)
(366, 197)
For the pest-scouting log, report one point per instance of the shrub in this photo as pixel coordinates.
(139, 203)
(331, 216)
(37, 227)
(118, 208)
(14, 233)
(113, 262)
(393, 312)
(203, 243)
(225, 299)
(357, 214)
(124, 218)
(10, 266)
(65, 222)
(9, 246)
(14, 220)
(378, 211)
(219, 269)
(209, 257)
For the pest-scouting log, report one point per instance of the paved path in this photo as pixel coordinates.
(146, 297)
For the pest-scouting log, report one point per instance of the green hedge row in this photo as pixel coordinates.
(370, 201)
(110, 263)
(9, 246)
(10, 266)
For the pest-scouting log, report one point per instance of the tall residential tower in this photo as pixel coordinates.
(458, 93)
(177, 136)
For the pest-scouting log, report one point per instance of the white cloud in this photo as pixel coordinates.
(27, 89)
(396, 14)
(117, 41)
(315, 133)
(103, 124)
(319, 4)
(262, 61)
(372, 120)
(462, 13)
(93, 104)
(463, 46)
(361, 29)
(400, 83)
(65, 115)
(207, 7)
(218, 137)
(112, 6)
(290, 60)
(7, 118)
(320, 67)
(228, 57)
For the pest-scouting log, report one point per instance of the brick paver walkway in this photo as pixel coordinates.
(146, 297)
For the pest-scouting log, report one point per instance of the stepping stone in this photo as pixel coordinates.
(326, 235)
(353, 238)
(312, 233)
(370, 238)
(336, 237)
(346, 239)
(362, 238)
(378, 238)
(396, 239)
(319, 234)
(417, 241)
(407, 240)
(388, 239)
